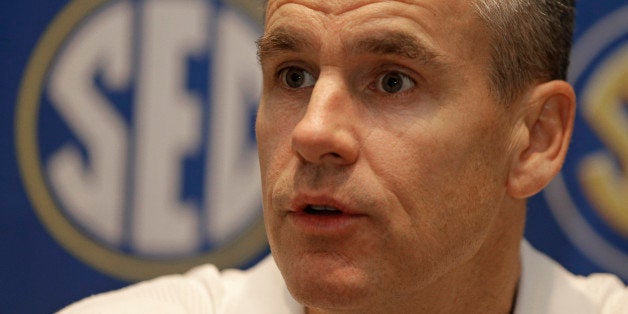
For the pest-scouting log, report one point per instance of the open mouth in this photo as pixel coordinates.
(322, 210)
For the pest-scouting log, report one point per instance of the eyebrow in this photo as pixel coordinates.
(281, 40)
(393, 43)
(398, 44)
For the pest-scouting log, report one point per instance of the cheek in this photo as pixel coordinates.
(274, 155)
(447, 185)
(273, 130)
(448, 203)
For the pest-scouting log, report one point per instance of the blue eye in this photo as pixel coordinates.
(295, 77)
(394, 82)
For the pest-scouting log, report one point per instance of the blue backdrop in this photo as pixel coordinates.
(82, 209)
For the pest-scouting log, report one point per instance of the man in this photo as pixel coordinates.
(398, 143)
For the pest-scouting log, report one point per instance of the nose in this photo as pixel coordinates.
(327, 132)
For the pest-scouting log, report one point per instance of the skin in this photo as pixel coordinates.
(431, 179)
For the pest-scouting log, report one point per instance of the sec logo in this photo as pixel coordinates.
(590, 197)
(135, 137)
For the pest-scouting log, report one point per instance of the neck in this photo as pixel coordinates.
(486, 283)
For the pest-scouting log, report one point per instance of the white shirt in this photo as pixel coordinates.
(545, 287)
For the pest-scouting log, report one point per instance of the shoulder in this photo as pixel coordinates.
(546, 287)
(201, 290)
(168, 294)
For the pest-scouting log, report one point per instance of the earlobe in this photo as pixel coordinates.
(543, 138)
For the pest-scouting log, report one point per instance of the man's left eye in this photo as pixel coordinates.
(394, 82)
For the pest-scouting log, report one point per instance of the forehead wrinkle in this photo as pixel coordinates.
(338, 7)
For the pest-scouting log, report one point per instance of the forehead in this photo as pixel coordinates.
(338, 7)
(449, 26)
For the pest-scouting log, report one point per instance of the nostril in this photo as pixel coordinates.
(331, 156)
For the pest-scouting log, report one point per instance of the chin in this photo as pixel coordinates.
(330, 294)
(331, 285)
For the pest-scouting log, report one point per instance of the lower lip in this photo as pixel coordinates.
(325, 225)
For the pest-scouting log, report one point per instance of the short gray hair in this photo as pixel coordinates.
(530, 41)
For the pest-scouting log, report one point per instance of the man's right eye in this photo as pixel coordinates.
(295, 77)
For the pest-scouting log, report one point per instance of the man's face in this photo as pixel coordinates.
(384, 159)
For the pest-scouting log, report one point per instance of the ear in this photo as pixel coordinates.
(542, 137)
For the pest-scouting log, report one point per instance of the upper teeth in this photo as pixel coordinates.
(317, 207)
